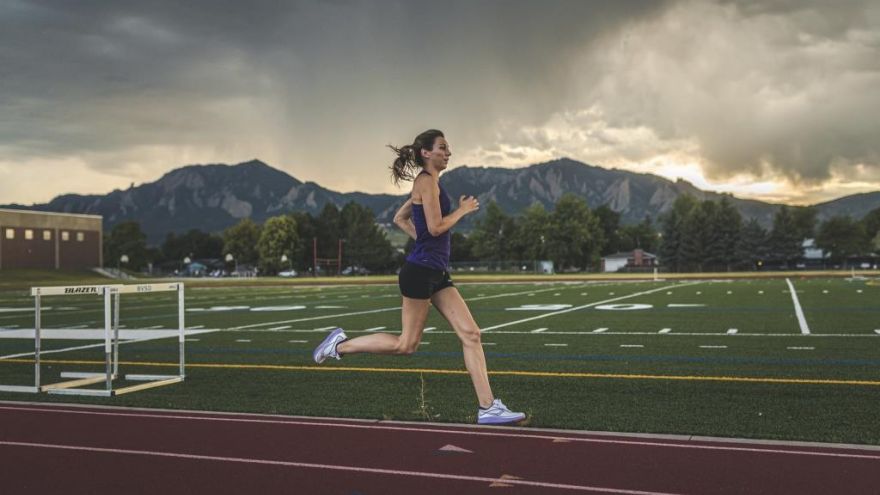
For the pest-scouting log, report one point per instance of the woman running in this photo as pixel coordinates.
(424, 278)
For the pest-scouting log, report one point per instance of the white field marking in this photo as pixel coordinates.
(824, 291)
(374, 329)
(444, 429)
(600, 330)
(428, 329)
(530, 295)
(665, 330)
(192, 340)
(74, 327)
(576, 308)
(162, 335)
(729, 292)
(699, 292)
(632, 345)
(275, 329)
(760, 292)
(673, 305)
(802, 321)
(556, 345)
(694, 334)
(371, 311)
(323, 329)
(859, 291)
(243, 340)
(332, 467)
(195, 327)
(329, 307)
(801, 348)
(298, 341)
(539, 330)
(488, 343)
(732, 331)
(154, 327)
(480, 295)
(424, 343)
(610, 293)
(584, 294)
(713, 347)
(557, 294)
(669, 293)
(877, 331)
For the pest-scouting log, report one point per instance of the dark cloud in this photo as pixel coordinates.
(319, 87)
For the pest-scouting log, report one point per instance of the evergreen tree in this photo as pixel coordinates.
(194, 243)
(726, 230)
(491, 237)
(609, 222)
(531, 233)
(672, 224)
(366, 244)
(642, 235)
(751, 247)
(785, 245)
(805, 222)
(842, 237)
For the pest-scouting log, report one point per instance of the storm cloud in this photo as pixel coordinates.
(114, 92)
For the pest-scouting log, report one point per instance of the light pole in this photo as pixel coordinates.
(122, 259)
(230, 259)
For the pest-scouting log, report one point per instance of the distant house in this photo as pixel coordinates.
(637, 258)
(45, 240)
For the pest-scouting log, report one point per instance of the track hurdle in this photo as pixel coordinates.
(111, 300)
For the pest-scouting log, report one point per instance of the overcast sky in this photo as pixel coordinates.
(776, 100)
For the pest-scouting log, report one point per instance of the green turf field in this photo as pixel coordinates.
(704, 357)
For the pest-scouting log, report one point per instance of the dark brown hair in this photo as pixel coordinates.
(409, 159)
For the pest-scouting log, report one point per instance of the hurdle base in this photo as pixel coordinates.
(19, 388)
(150, 384)
(74, 383)
(80, 391)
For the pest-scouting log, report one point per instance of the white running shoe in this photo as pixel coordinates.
(327, 348)
(498, 414)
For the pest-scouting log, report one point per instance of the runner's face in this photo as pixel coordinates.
(438, 158)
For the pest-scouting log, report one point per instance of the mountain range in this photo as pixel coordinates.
(213, 197)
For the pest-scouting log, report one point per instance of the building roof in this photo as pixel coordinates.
(627, 255)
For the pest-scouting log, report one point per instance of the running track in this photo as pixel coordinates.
(69, 449)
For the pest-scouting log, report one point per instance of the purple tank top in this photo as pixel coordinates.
(429, 251)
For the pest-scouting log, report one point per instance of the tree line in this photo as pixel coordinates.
(281, 242)
(693, 235)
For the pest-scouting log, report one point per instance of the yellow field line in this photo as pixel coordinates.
(539, 374)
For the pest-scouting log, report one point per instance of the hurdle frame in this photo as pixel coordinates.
(111, 295)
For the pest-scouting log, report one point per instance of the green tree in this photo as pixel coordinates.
(871, 224)
(492, 236)
(328, 230)
(785, 244)
(698, 236)
(751, 247)
(842, 237)
(804, 219)
(726, 230)
(195, 244)
(574, 236)
(366, 244)
(240, 241)
(126, 238)
(530, 242)
(461, 248)
(672, 225)
(307, 230)
(278, 238)
(609, 222)
(642, 235)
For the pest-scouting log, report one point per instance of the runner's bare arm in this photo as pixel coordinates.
(403, 219)
(427, 189)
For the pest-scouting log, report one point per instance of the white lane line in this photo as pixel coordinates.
(556, 345)
(154, 327)
(276, 329)
(576, 308)
(488, 343)
(329, 467)
(665, 330)
(713, 347)
(298, 341)
(801, 348)
(428, 329)
(243, 340)
(325, 328)
(195, 327)
(374, 329)
(632, 345)
(600, 330)
(732, 331)
(539, 330)
(444, 429)
(192, 340)
(371, 311)
(802, 321)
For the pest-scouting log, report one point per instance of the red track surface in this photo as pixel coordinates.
(69, 449)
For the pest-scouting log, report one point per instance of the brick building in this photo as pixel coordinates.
(36, 239)
(635, 259)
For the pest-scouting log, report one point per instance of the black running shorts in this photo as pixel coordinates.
(421, 282)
